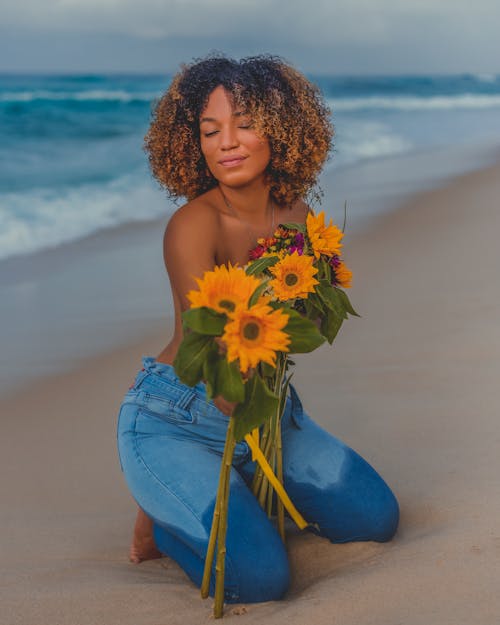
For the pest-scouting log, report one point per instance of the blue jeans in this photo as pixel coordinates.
(170, 442)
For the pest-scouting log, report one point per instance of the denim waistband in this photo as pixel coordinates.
(165, 371)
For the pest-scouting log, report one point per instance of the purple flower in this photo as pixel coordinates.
(299, 240)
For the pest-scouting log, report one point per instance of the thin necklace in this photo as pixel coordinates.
(229, 205)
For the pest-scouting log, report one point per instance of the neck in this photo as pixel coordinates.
(251, 203)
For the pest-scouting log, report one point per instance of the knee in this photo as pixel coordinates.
(359, 506)
(253, 572)
(378, 515)
(384, 516)
(265, 576)
(376, 519)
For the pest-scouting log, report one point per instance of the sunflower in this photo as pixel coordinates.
(293, 276)
(343, 275)
(223, 289)
(255, 334)
(324, 239)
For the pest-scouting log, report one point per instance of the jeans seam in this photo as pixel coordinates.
(118, 438)
(156, 477)
(161, 417)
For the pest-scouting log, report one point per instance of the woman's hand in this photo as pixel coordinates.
(224, 406)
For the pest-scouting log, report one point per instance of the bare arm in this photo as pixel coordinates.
(189, 251)
(189, 248)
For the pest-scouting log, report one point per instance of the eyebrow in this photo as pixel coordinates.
(212, 119)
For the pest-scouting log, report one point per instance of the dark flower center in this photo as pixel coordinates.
(291, 279)
(227, 304)
(251, 331)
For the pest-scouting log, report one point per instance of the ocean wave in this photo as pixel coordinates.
(415, 103)
(42, 219)
(99, 95)
(485, 77)
(365, 139)
(374, 102)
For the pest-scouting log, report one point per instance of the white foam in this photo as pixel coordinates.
(485, 77)
(41, 219)
(365, 139)
(415, 103)
(403, 103)
(89, 94)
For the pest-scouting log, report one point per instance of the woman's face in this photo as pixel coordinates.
(234, 153)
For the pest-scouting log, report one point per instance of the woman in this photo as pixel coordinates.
(244, 142)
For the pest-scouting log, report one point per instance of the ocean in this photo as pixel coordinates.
(72, 163)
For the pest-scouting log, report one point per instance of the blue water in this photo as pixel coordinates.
(71, 158)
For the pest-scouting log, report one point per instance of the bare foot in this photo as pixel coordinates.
(143, 546)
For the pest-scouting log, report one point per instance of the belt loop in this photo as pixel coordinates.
(147, 362)
(138, 379)
(297, 409)
(185, 399)
(145, 371)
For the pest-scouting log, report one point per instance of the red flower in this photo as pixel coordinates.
(256, 252)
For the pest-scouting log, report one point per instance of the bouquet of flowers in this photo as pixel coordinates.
(238, 333)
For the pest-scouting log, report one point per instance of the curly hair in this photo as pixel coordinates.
(284, 105)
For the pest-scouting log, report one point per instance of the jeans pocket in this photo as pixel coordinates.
(165, 408)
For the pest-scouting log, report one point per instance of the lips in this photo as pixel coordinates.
(230, 161)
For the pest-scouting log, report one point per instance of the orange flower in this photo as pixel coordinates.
(324, 239)
(343, 275)
(255, 334)
(293, 276)
(223, 289)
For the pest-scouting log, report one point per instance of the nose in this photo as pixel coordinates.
(228, 137)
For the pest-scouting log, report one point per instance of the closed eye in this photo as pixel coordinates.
(213, 132)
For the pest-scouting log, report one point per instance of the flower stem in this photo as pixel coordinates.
(221, 535)
(270, 493)
(279, 466)
(259, 473)
(219, 526)
(271, 446)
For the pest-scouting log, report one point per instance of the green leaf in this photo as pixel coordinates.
(294, 226)
(324, 271)
(283, 394)
(204, 320)
(257, 293)
(345, 302)
(330, 325)
(267, 370)
(259, 265)
(229, 381)
(305, 336)
(315, 304)
(191, 355)
(330, 298)
(259, 405)
(209, 371)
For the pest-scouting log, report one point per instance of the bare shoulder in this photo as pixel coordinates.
(198, 216)
(189, 245)
(302, 206)
(297, 212)
(195, 223)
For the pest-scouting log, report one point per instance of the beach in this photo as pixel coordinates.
(411, 385)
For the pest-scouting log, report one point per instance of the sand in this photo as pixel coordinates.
(412, 385)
